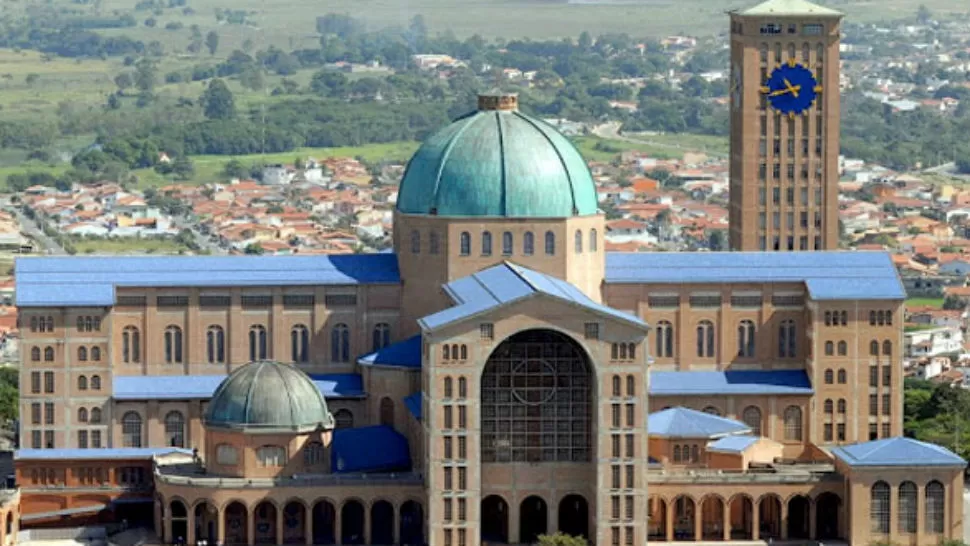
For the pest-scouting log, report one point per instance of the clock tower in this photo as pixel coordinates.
(784, 127)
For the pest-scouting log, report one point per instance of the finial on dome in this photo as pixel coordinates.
(496, 99)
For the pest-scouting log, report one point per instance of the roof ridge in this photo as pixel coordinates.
(518, 273)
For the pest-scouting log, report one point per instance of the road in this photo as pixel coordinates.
(204, 242)
(611, 131)
(30, 229)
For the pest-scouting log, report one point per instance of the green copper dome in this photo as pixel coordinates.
(498, 163)
(268, 397)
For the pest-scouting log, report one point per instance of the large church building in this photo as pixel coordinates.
(498, 376)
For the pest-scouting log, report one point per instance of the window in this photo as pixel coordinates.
(33, 324)
(887, 375)
(95, 416)
(268, 456)
(82, 415)
(175, 429)
(487, 243)
(593, 241)
(665, 339)
(131, 430)
(751, 416)
(486, 331)
(173, 344)
(844, 315)
(448, 387)
(227, 454)
(879, 508)
(935, 505)
(550, 243)
(96, 354)
(343, 419)
(49, 382)
(907, 507)
(340, 343)
(35, 354)
(592, 330)
(786, 339)
(300, 343)
(382, 335)
(578, 241)
(387, 412)
(130, 345)
(828, 318)
(827, 432)
(434, 245)
(528, 243)
(842, 377)
(313, 454)
(257, 342)
(712, 410)
(887, 348)
(793, 423)
(705, 339)
(843, 348)
(215, 345)
(829, 407)
(82, 439)
(465, 243)
(82, 354)
(415, 242)
(82, 383)
(889, 318)
(842, 406)
(829, 377)
(35, 382)
(507, 243)
(810, 29)
(746, 345)
(48, 354)
(462, 387)
(874, 348)
(95, 382)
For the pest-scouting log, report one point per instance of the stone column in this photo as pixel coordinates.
(190, 526)
(893, 513)
(251, 527)
(669, 526)
(920, 512)
(279, 525)
(338, 537)
(698, 520)
(167, 527)
(367, 516)
(308, 526)
(221, 526)
(784, 520)
(514, 509)
(756, 520)
(812, 520)
(727, 520)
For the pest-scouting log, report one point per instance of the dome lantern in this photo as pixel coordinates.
(497, 100)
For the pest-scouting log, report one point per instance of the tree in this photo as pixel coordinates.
(254, 248)
(252, 78)
(9, 381)
(212, 42)
(329, 83)
(31, 79)
(182, 168)
(145, 76)
(235, 169)
(123, 81)
(561, 539)
(217, 101)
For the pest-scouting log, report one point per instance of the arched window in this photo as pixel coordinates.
(887, 347)
(578, 241)
(879, 508)
(343, 419)
(746, 342)
(382, 335)
(935, 505)
(705, 339)
(88, 324)
(175, 429)
(712, 410)
(507, 243)
(829, 377)
(631, 385)
(487, 243)
(842, 406)
(415, 242)
(446, 352)
(173, 344)
(95, 382)
(257, 342)
(874, 348)
(96, 354)
(465, 243)
(631, 350)
(843, 348)
(131, 430)
(449, 387)
(829, 348)
(48, 354)
(300, 343)
(95, 415)
(82, 415)
(550, 243)
(787, 343)
(676, 453)
(462, 388)
(751, 416)
(215, 344)
(35, 354)
(528, 243)
(872, 318)
(793, 423)
(130, 345)
(434, 245)
(665, 339)
(829, 407)
(908, 496)
(842, 376)
(593, 241)
(82, 383)
(387, 412)
(82, 354)
(50, 324)
(271, 456)
(313, 454)
(80, 324)
(464, 352)
(340, 343)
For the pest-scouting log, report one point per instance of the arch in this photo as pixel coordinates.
(665, 339)
(264, 517)
(829, 407)
(495, 520)
(705, 339)
(873, 348)
(574, 516)
(387, 412)
(48, 354)
(769, 517)
(258, 343)
(793, 423)
(215, 344)
(741, 509)
(829, 348)
(528, 243)
(684, 515)
(533, 519)
(879, 513)
(35, 354)
(131, 429)
(550, 243)
(206, 518)
(843, 348)
(95, 415)
(382, 335)
(631, 385)
(324, 523)
(713, 410)
(82, 383)
(382, 523)
(656, 519)
(179, 517)
(828, 507)
(82, 354)
(829, 376)
(175, 429)
(507, 243)
(887, 347)
(799, 507)
(343, 418)
(96, 354)
(95, 382)
(935, 507)
(465, 243)
(746, 342)
(842, 406)
(578, 242)
(82, 415)
(340, 343)
(486, 243)
(712, 518)
(352, 523)
(908, 495)
(462, 388)
(593, 240)
(294, 522)
(300, 343)
(751, 416)
(411, 532)
(529, 363)
(173, 344)
(843, 377)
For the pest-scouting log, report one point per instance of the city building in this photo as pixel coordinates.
(784, 135)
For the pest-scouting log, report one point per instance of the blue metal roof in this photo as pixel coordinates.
(369, 449)
(91, 281)
(898, 451)
(830, 275)
(103, 453)
(506, 283)
(732, 444)
(688, 423)
(730, 382)
(403, 354)
(413, 403)
(185, 387)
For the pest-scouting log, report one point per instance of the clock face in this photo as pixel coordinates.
(791, 88)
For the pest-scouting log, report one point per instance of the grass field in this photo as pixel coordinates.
(127, 246)
(925, 302)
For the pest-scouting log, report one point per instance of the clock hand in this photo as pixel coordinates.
(779, 92)
(793, 89)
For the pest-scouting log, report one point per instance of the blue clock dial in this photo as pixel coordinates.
(791, 88)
